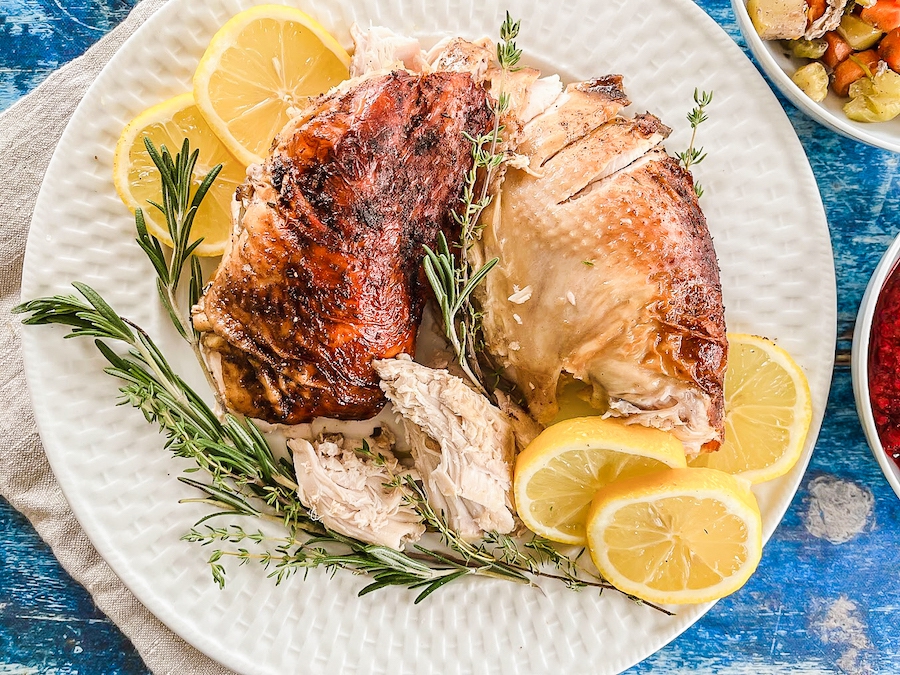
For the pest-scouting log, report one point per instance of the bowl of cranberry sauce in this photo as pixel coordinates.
(876, 364)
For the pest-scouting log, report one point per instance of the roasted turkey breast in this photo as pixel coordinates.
(324, 272)
(607, 271)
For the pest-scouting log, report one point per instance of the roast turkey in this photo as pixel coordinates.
(607, 277)
(324, 271)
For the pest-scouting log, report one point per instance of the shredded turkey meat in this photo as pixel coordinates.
(346, 490)
(463, 447)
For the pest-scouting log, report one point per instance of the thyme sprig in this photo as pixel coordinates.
(451, 276)
(697, 116)
(508, 54)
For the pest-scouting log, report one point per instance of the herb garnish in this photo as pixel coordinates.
(451, 277)
(179, 208)
(696, 117)
(245, 476)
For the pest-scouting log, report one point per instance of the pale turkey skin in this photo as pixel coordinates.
(607, 271)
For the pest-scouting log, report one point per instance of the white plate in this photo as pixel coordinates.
(779, 66)
(777, 271)
(862, 337)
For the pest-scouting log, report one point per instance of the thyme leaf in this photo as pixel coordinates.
(696, 117)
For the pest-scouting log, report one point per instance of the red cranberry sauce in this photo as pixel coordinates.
(884, 366)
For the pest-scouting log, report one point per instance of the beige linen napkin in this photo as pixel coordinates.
(29, 132)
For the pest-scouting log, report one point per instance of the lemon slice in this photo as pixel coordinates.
(676, 536)
(557, 475)
(768, 411)
(137, 179)
(259, 65)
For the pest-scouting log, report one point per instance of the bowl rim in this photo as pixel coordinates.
(859, 362)
(843, 126)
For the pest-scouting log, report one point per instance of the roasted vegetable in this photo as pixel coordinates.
(813, 80)
(861, 64)
(837, 51)
(808, 49)
(778, 19)
(858, 34)
(889, 49)
(875, 99)
(884, 15)
(816, 9)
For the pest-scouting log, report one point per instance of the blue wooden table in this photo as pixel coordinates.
(826, 598)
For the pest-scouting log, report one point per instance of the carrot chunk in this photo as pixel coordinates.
(816, 10)
(884, 15)
(849, 71)
(838, 49)
(889, 49)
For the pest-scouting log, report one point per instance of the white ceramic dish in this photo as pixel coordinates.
(859, 361)
(779, 66)
(764, 211)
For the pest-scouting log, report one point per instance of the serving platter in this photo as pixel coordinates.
(771, 237)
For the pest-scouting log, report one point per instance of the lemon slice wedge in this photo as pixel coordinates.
(676, 536)
(137, 180)
(260, 64)
(557, 475)
(768, 411)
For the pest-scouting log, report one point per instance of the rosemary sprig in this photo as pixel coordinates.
(696, 117)
(179, 208)
(451, 277)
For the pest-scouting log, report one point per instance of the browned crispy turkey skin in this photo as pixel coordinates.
(324, 272)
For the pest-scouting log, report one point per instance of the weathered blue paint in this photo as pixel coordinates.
(813, 606)
(38, 36)
(48, 623)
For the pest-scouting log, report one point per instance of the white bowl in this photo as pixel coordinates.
(779, 66)
(859, 362)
